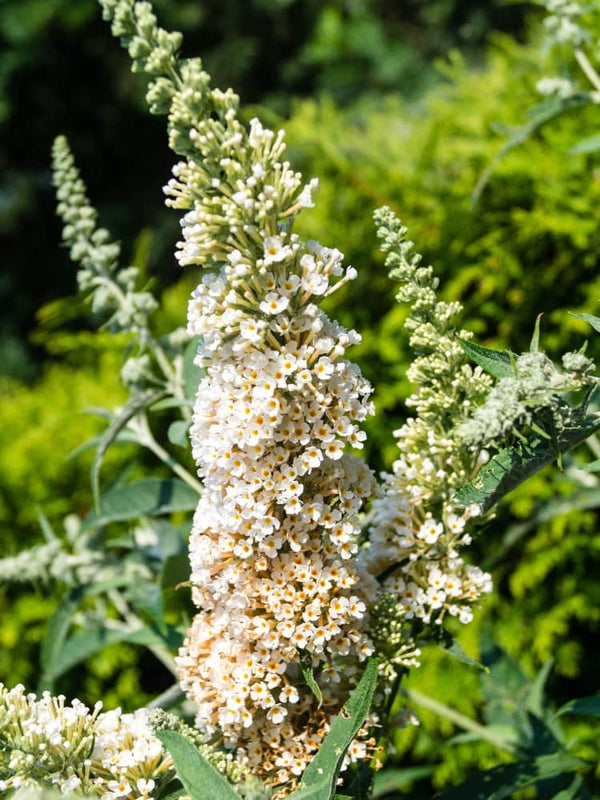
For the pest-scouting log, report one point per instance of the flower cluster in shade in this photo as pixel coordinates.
(47, 742)
(417, 530)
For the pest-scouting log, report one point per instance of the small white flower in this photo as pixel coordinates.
(275, 250)
(274, 303)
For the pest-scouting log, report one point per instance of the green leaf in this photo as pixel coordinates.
(534, 345)
(47, 529)
(576, 790)
(362, 782)
(497, 363)
(589, 145)
(582, 705)
(501, 782)
(176, 570)
(309, 680)
(199, 778)
(148, 497)
(178, 432)
(136, 403)
(320, 777)
(513, 465)
(56, 634)
(455, 650)
(593, 321)
(539, 115)
(192, 374)
(146, 598)
(593, 466)
(82, 646)
(535, 698)
(392, 780)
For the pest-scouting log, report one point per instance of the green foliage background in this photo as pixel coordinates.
(529, 246)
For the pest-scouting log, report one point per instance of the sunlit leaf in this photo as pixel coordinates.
(199, 778)
(513, 465)
(320, 777)
(497, 363)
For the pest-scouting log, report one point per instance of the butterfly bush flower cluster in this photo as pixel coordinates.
(417, 529)
(46, 742)
(274, 541)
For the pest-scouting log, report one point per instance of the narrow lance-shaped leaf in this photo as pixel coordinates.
(539, 115)
(320, 777)
(497, 363)
(454, 649)
(56, 634)
(590, 318)
(534, 345)
(199, 778)
(148, 497)
(589, 145)
(133, 407)
(503, 781)
(582, 705)
(511, 466)
(84, 645)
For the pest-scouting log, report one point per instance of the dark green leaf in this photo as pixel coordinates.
(176, 570)
(200, 779)
(589, 145)
(148, 497)
(593, 321)
(146, 598)
(320, 777)
(575, 790)
(56, 634)
(497, 363)
(582, 705)
(392, 780)
(504, 687)
(83, 645)
(362, 782)
(455, 650)
(501, 782)
(544, 739)
(535, 698)
(513, 465)
(136, 404)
